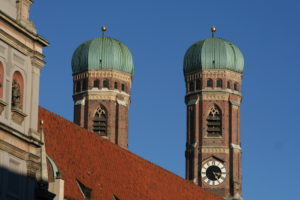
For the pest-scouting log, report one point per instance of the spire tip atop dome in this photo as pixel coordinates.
(213, 30)
(103, 29)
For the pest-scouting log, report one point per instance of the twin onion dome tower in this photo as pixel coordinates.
(102, 74)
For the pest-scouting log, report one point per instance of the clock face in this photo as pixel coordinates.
(213, 172)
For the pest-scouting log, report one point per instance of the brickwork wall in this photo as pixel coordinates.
(204, 148)
(114, 100)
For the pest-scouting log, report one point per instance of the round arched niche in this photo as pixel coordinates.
(1, 79)
(17, 90)
(2, 102)
(17, 98)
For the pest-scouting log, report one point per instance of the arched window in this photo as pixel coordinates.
(17, 91)
(116, 85)
(96, 84)
(100, 122)
(214, 122)
(219, 83)
(123, 87)
(198, 84)
(236, 86)
(1, 79)
(105, 84)
(191, 86)
(228, 85)
(209, 83)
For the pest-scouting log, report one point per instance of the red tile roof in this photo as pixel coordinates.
(108, 169)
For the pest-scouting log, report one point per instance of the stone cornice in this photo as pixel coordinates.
(37, 57)
(20, 28)
(210, 92)
(20, 135)
(109, 97)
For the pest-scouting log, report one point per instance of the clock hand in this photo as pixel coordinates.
(217, 175)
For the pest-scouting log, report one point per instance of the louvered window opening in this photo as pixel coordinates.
(214, 123)
(100, 122)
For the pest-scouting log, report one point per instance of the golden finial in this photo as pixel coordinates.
(213, 30)
(103, 28)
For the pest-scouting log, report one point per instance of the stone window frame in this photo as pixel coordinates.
(116, 85)
(96, 83)
(209, 83)
(100, 121)
(228, 85)
(211, 122)
(123, 87)
(236, 86)
(219, 83)
(105, 84)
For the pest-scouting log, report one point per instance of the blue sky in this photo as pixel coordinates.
(158, 33)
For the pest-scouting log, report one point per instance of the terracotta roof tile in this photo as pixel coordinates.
(108, 169)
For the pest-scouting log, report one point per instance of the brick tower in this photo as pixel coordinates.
(213, 75)
(102, 73)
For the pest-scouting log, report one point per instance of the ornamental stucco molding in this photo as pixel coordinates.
(103, 74)
(16, 44)
(215, 96)
(236, 146)
(214, 150)
(235, 76)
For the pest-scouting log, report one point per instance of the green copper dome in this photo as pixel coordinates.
(102, 53)
(213, 53)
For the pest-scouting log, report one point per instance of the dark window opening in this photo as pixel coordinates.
(219, 83)
(123, 87)
(228, 85)
(236, 87)
(78, 86)
(214, 123)
(209, 83)
(105, 84)
(84, 84)
(100, 122)
(87, 192)
(192, 86)
(96, 84)
(198, 84)
(116, 85)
